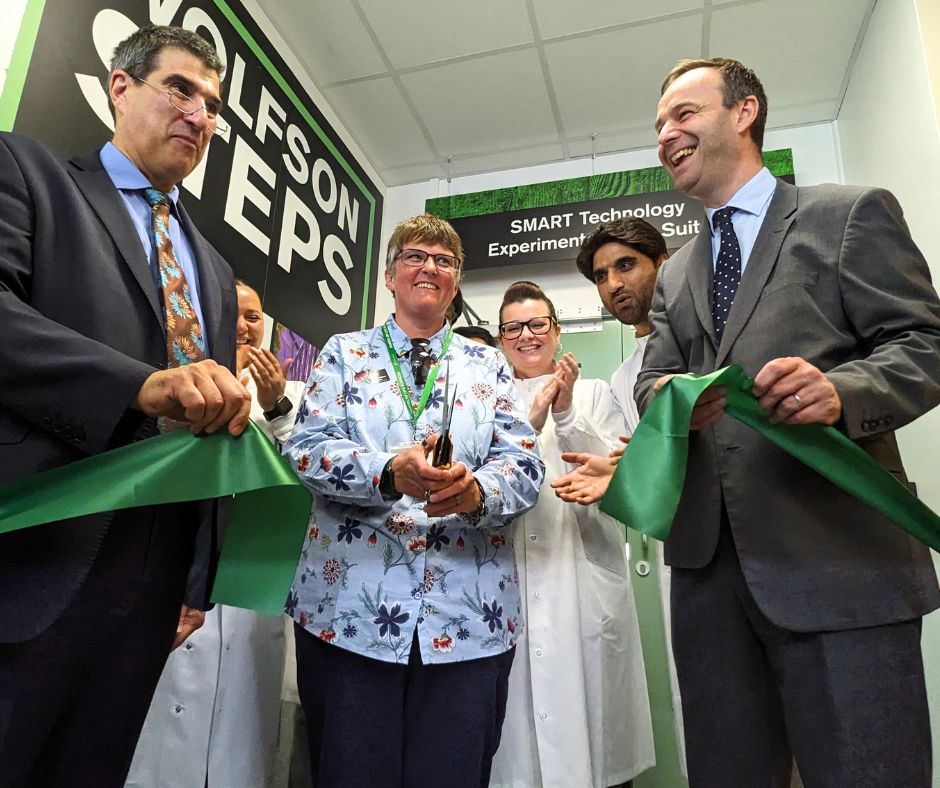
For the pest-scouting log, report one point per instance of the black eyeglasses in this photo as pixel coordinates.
(536, 325)
(417, 257)
(189, 106)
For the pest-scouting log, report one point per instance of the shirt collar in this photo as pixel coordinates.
(124, 173)
(751, 198)
(402, 342)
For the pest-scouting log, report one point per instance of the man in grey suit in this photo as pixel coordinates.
(100, 270)
(796, 608)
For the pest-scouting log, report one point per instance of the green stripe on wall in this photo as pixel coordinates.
(575, 190)
(19, 63)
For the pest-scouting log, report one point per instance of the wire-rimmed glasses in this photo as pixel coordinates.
(187, 105)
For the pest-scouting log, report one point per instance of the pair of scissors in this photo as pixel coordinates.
(443, 453)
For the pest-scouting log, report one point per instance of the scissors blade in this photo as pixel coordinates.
(450, 411)
(445, 418)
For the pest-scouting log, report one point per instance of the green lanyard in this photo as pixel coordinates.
(403, 390)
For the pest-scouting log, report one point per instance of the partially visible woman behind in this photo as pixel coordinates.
(214, 718)
(578, 710)
(477, 334)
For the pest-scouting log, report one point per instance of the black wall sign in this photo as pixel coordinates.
(553, 234)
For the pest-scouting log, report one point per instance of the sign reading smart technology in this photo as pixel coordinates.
(279, 195)
(547, 222)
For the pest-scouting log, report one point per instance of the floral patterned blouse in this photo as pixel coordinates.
(373, 569)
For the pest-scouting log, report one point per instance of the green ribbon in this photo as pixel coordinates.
(269, 515)
(655, 460)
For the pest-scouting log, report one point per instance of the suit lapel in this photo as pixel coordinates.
(95, 184)
(210, 288)
(699, 277)
(763, 258)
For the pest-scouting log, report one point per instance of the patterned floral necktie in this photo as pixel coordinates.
(184, 339)
(727, 269)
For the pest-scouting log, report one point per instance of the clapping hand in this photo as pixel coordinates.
(269, 375)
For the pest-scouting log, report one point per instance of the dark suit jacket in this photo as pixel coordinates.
(834, 278)
(82, 329)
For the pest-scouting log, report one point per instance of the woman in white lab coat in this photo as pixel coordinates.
(578, 710)
(214, 717)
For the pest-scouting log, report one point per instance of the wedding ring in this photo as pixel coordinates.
(457, 499)
(427, 496)
(797, 398)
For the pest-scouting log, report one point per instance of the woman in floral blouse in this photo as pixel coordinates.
(406, 597)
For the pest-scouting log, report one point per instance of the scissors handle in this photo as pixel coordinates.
(443, 454)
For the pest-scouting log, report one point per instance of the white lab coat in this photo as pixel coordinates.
(214, 717)
(578, 710)
(622, 383)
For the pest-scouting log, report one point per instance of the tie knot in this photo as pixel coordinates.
(421, 360)
(722, 218)
(155, 197)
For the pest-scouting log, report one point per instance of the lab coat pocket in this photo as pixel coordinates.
(602, 539)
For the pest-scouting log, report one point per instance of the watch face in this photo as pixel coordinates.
(281, 408)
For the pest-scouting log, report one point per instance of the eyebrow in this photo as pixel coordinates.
(214, 103)
(622, 258)
(672, 110)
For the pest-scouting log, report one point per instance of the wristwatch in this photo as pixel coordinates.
(387, 482)
(281, 408)
(480, 512)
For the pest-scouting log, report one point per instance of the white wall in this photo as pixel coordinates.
(815, 160)
(11, 13)
(888, 133)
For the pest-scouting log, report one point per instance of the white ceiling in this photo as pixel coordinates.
(432, 88)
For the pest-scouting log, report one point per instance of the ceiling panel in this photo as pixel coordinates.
(326, 34)
(383, 125)
(558, 19)
(417, 82)
(399, 176)
(610, 81)
(812, 44)
(507, 159)
(488, 103)
(797, 114)
(425, 31)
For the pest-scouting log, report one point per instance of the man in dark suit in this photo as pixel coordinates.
(796, 608)
(116, 313)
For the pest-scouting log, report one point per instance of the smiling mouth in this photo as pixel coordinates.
(681, 154)
(528, 348)
(427, 286)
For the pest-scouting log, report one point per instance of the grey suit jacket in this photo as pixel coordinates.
(82, 329)
(834, 278)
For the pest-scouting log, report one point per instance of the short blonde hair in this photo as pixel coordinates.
(426, 229)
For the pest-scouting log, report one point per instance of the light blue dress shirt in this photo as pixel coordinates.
(752, 201)
(130, 183)
(372, 570)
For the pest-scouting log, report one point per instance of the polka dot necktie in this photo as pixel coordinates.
(727, 270)
(184, 339)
